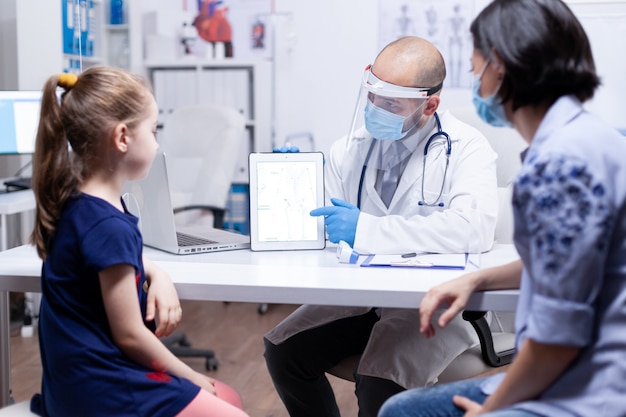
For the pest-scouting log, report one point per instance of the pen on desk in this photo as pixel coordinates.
(413, 263)
(409, 255)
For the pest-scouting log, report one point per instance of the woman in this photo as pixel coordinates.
(533, 69)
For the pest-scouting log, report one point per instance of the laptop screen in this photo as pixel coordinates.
(19, 119)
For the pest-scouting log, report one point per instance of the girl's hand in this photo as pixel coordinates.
(162, 299)
(205, 382)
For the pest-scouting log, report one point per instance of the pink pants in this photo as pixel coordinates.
(225, 403)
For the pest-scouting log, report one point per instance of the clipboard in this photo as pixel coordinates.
(418, 260)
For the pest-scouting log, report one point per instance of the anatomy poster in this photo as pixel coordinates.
(241, 24)
(445, 23)
(213, 28)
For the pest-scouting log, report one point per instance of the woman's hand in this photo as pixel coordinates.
(471, 408)
(457, 292)
(454, 294)
(162, 300)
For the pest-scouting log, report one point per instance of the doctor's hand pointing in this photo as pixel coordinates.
(340, 220)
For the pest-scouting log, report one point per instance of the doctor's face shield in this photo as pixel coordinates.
(390, 112)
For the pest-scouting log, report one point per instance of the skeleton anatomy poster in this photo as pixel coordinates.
(445, 23)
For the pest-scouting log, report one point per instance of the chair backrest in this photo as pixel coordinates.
(202, 143)
(506, 142)
(504, 226)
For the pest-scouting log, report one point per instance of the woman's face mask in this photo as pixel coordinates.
(383, 124)
(489, 109)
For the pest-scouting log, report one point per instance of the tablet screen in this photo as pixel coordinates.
(284, 188)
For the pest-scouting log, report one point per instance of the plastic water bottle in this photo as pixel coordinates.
(117, 12)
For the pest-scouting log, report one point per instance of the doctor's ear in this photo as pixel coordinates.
(431, 106)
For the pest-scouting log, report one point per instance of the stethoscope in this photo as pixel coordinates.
(430, 140)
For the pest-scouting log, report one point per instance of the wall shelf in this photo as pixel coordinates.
(244, 85)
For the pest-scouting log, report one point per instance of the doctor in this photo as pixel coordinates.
(413, 179)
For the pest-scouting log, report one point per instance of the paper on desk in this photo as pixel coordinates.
(421, 260)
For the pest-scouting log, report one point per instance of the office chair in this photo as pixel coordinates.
(495, 350)
(202, 143)
(180, 346)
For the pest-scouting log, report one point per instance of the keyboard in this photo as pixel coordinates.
(187, 240)
(21, 183)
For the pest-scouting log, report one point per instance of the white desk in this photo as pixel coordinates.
(295, 277)
(12, 203)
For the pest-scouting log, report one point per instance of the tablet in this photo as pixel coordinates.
(284, 188)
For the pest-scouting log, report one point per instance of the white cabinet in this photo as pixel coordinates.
(101, 42)
(122, 44)
(81, 22)
(244, 85)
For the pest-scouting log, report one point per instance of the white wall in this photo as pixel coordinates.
(8, 44)
(31, 43)
(318, 75)
(318, 79)
(605, 24)
(30, 51)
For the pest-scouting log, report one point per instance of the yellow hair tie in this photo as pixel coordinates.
(67, 81)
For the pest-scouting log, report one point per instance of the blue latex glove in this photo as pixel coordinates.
(340, 220)
(285, 149)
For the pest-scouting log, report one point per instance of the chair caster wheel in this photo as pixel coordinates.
(211, 364)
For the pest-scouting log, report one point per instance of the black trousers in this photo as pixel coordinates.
(298, 368)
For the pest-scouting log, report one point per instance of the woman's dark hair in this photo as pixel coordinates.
(545, 50)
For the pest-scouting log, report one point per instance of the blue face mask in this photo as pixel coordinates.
(382, 124)
(489, 109)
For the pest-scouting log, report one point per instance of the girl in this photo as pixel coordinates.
(533, 69)
(99, 344)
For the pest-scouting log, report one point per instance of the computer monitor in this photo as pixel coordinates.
(19, 119)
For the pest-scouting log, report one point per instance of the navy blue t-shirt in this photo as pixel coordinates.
(84, 372)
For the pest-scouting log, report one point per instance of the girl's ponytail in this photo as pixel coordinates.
(53, 179)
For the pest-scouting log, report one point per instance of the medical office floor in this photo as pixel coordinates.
(233, 330)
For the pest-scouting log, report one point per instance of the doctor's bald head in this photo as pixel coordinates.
(410, 62)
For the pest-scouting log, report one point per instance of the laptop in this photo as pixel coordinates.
(149, 199)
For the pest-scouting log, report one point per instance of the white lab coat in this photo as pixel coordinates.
(470, 195)
(396, 350)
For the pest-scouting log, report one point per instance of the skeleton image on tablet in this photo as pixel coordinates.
(283, 191)
(286, 197)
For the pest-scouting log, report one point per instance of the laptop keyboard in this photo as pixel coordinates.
(187, 240)
(21, 183)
